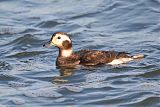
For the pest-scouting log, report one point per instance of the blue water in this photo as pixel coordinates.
(29, 77)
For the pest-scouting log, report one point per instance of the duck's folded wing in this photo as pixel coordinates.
(101, 57)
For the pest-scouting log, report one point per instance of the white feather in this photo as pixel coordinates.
(120, 61)
(66, 53)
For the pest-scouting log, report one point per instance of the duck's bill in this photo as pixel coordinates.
(47, 45)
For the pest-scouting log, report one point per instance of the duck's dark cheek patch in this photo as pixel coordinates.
(66, 44)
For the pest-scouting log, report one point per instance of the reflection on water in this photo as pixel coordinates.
(66, 71)
(29, 77)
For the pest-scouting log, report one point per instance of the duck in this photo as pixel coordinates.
(67, 57)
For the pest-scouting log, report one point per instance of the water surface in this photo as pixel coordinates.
(29, 77)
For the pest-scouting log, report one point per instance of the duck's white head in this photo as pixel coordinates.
(63, 42)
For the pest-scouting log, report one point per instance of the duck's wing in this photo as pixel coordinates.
(95, 57)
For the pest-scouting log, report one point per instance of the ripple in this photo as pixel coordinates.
(151, 101)
(6, 77)
(136, 26)
(73, 88)
(45, 92)
(17, 84)
(17, 101)
(95, 77)
(5, 31)
(152, 74)
(29, 30)
(5, 66)
(156, 28)
(24, 40)
(48, 24)
(146, 86)
(113, 5)
(130, 97)
(59, 100)
(95, 85)
(10, 30)
(4, 105)
(26, 54)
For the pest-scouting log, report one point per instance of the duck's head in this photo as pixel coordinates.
(62, 41)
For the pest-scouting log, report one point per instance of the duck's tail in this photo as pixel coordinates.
(139, 56)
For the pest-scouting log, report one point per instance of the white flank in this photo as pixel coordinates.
(120, 61)
(140, 56)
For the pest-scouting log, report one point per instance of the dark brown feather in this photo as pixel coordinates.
(95, 57)
(67, 45)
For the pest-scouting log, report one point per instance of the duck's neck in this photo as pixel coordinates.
(65, 52)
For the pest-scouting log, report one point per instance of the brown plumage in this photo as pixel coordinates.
(67, 57)
(95, 57)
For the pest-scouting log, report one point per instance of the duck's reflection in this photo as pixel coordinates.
(67, 71)
(70, 70)
(64, 73)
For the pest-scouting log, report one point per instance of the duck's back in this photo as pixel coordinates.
(95, 57)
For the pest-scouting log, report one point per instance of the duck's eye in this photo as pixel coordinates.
(59, 37)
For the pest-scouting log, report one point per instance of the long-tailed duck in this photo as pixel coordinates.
(67, 57)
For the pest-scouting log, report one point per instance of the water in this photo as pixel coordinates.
(29, 77)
